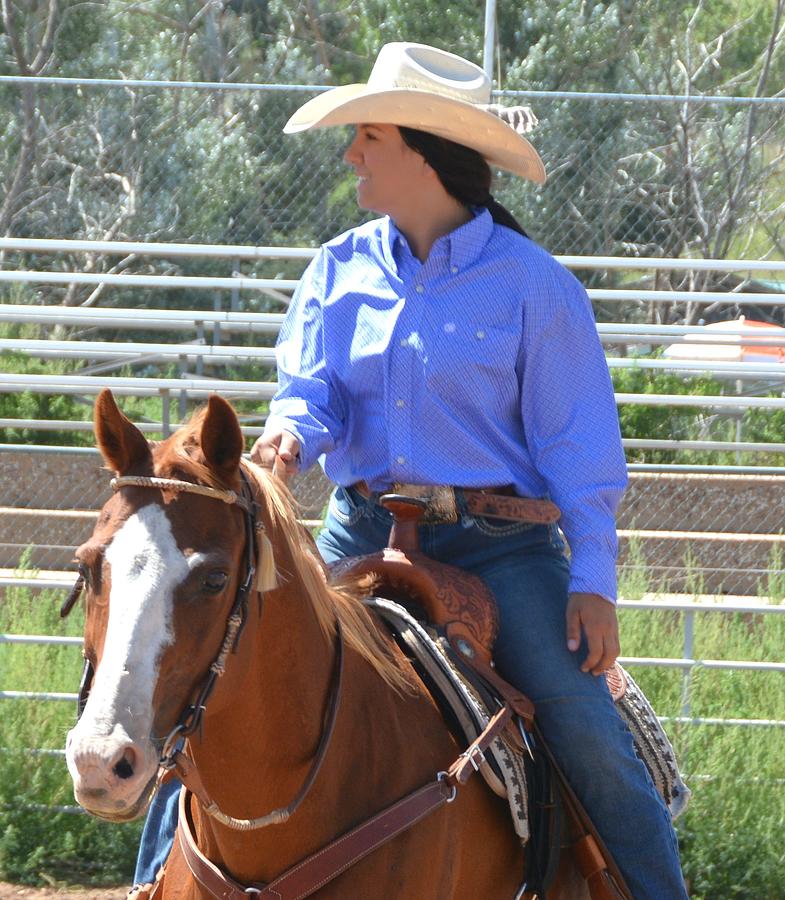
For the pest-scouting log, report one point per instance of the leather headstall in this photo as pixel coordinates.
(191, 716)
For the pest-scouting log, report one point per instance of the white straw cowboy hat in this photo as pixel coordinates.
(421, 87)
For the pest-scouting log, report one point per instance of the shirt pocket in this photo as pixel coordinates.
(474, 363)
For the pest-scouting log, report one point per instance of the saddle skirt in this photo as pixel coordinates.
(462, 702)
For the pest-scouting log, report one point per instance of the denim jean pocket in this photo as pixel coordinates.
(345, 508)
(493, 527)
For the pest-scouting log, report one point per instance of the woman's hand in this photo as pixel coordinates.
(597, 617)
(279, 451)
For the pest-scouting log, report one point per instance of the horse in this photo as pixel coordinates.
(173, 549)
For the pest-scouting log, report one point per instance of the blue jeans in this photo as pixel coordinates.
(526, 570)
(158, 832)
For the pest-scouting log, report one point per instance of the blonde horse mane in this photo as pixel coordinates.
(331, 603)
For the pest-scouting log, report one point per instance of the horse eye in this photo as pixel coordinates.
(215, 581)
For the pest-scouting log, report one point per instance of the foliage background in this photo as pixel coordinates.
(649, 177)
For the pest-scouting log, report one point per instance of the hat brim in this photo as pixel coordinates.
(456, 120)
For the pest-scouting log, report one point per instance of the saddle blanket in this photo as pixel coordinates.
(505, 770)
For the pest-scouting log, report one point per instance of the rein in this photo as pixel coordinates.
(189, 775)
(321, 867)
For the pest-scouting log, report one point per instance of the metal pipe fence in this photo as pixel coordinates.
(669, 551)
(203, 195)
(687, 663)
(206, 163)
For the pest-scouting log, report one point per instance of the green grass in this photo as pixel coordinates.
(730, 834)
(39, 846)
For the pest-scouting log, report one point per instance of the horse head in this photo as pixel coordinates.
(162, 563)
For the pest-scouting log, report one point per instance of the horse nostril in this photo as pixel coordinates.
(124, 768)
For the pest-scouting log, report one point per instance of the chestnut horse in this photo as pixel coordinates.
(161, 574)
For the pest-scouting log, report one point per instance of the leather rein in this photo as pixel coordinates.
(312, 873)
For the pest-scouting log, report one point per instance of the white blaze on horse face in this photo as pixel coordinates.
(146, 566)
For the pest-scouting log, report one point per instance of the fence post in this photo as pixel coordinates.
(688, 653)
(165, 424)
(216, 325)
(490, 37)
(234, 304)
(182, 401)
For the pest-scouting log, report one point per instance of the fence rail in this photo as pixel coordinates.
(687, 664)
(208, 350)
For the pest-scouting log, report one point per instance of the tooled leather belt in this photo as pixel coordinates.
(496, 503)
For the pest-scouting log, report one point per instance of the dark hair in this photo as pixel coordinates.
(463, 172)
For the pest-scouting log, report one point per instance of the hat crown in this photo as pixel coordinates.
(420, 67)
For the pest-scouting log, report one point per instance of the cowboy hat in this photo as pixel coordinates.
(421, 87)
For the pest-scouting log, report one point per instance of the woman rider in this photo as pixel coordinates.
(438, 345)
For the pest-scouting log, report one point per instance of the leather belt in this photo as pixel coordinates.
(495, 503)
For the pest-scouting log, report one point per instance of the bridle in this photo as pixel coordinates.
(191, 718)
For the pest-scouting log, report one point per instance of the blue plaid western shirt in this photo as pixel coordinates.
(479, 367)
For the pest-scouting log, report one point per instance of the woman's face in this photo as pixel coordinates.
(389, 172)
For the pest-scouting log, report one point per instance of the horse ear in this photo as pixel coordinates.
(221, 438)
(122, 445)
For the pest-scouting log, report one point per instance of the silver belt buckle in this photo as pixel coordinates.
(441, 507)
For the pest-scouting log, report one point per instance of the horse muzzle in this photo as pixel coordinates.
(114, 776)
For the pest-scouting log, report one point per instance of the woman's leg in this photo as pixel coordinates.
(528, 575)
(527, 572)
(158, 833)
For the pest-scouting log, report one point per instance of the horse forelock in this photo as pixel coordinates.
(180, 456)
(331, 603)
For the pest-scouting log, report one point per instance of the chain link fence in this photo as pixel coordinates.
(702, 534)
(651, 176)
(679, 533)
(115, 160)
(49, 498)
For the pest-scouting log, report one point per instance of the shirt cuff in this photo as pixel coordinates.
(593, 569)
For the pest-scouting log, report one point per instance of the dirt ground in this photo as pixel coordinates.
(19, 892)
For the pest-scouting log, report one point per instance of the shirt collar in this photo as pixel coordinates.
(467, 242)
(463, 245)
